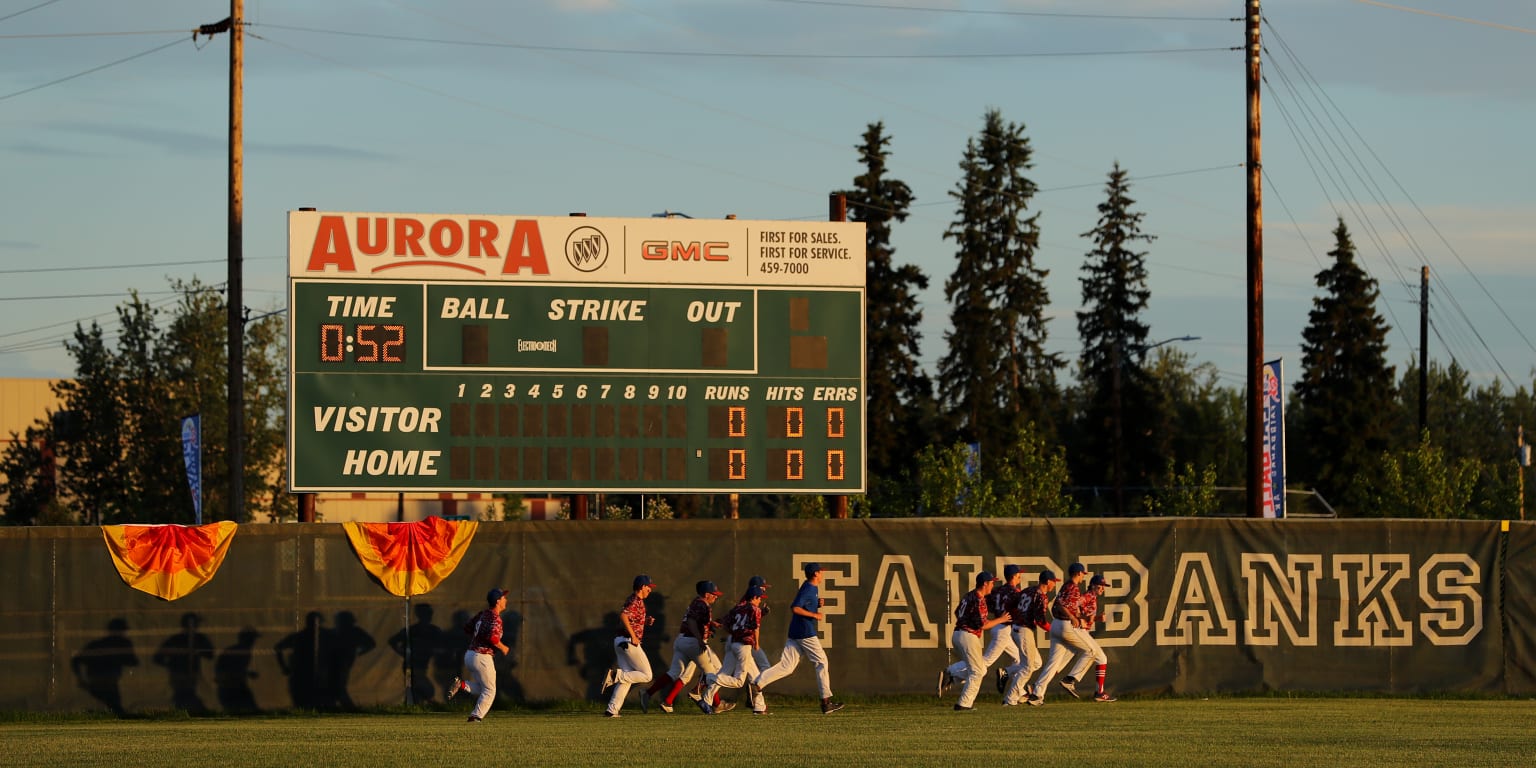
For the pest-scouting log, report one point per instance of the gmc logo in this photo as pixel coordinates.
(676, 250)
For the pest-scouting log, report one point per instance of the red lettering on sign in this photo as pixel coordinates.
(526, 251)
(331, 247)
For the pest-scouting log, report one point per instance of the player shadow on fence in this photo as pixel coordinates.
(232, 674)
(421, 646)
(318, 661)
(99, 666)
(591, 650)
(182, 656)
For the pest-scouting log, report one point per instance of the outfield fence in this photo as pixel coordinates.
(292, 619)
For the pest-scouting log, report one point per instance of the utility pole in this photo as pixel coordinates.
(234, 298)
(1522, 460)
(1423, 350)
(1255, 273)
(837, 210)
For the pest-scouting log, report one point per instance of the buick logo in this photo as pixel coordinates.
(586, 249)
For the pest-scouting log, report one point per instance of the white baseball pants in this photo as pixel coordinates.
(794, 648)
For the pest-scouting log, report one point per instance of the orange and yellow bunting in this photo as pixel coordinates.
(168, 561)
(411, 558)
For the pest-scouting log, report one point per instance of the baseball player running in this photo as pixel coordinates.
(1090, 616)
(740, 667)
(484, 632)
(1000, 641)
(633, 666)
(1067, 635)
(1030, 610)
(972, 621)
(692, 645)
(805, 613)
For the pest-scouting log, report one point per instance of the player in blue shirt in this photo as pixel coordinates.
(805, 612)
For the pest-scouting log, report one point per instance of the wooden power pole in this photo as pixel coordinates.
(1255, 274)
(837, 210)
(234, 297)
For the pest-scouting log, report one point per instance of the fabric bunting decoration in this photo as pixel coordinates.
(168, 561)
(411, 558)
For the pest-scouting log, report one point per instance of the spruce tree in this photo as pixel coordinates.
(1118, 423)
(897, 391)
(997, 376)
(1345, 392)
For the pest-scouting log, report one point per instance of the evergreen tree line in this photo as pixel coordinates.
(1138, 429)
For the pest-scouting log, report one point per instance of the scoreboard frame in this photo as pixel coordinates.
(497, 354)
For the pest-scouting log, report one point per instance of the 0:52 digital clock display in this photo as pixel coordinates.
(366, 343)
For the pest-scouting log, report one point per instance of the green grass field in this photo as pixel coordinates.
(1288, 732)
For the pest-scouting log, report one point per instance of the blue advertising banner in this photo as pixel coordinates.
(1274, 440)
(192, 453)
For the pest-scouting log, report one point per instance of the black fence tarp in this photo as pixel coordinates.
(293, 620)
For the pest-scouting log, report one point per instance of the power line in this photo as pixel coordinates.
(140, 54)
(43, 35)
(742, 54)
(104, 267)
(1405, 9)
(976, 12)
(24, 10)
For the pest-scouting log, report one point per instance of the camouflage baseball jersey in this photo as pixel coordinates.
(971, 613)
(744, 621)
(634, 608)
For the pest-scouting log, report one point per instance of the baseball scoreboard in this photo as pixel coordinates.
(506, 353)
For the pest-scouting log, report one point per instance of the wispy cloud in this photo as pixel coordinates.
(187, 143)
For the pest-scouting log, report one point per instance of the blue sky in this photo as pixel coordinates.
(1410, 119)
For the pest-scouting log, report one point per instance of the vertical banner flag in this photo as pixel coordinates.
(1274, 441)
(192, 453)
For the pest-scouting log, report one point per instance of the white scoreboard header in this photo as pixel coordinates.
(567, 249)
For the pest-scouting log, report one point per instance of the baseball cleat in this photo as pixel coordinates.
(609, 679)
(830, 707)
(455, 687)
(1104, 698)
(959, 708)
(665, 707)
(645, 702)
(944, 681)
(1033, 700)
(695, 694)
(1002, 681)
(1071, 687)
(725, 706)
(759, 711)
(610, 714)
(705, 707)
(472, 719)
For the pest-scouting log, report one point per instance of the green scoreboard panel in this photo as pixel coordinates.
(435, 353)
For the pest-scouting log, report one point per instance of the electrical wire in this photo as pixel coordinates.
(981, 12)
(1405, 9)
(123, 60)
(741, 54)
(24, 10)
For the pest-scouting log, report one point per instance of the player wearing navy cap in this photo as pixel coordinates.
(1030, 612)
(739, 667)
(972, 621)
(633, 666)
(484, 632)
(691, 649)
(1067, 634)
(1000, 641)
(806, 612)
(1089, 616)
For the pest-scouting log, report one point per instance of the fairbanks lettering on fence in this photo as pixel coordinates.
(293, 618)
